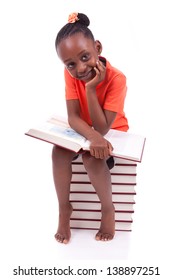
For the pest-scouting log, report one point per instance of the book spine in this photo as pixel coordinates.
(91, 196)
(96, 205)
(116, 178)
(95, 224)
(119, 168)
(96, 214)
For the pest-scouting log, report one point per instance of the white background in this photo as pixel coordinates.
(137, 38)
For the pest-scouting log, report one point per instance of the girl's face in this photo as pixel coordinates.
(79, 55)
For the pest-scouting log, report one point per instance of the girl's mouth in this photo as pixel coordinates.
(87, 76)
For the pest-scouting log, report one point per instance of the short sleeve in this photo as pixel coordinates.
(116, 93)
(70, 88)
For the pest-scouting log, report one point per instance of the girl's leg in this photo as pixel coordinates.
(62, 173)
(100, 178)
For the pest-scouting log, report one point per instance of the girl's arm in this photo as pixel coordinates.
(99, 147)
(101, 119)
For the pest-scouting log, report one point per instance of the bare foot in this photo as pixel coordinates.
(107, 227)
(63, 233)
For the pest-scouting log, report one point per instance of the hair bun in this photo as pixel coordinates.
(83, 19)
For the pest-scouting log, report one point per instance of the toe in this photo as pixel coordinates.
(57, 237)
(98, 236)
(65, 241)
(61, 239)
(103, 236)
(107, 237)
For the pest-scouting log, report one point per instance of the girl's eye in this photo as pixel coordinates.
(70, 65)
(85, 57)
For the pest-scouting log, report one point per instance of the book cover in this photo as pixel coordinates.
(115, 178)
(92, 196)
(95, 224)
(118, 168)
(96, 214)
(95, 205)
(116, 188)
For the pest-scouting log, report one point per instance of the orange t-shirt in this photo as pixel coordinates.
(111, 93)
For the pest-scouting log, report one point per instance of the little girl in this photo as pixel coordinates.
(95, 94)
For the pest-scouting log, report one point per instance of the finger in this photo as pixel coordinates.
(110, 148)
(97, 154)
(97, 71)
(92, 152)
(102, 154)
(100, 65)
(106, 153)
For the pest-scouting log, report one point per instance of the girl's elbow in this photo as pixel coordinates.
(70, 121)
(103, 131)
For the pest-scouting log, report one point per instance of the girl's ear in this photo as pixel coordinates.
(98, 47)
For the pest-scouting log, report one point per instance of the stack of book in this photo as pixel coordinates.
(128, 149)
(86, 205)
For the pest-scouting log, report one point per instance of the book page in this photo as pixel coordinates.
(126, 144)
(63, 131)
(59, 120)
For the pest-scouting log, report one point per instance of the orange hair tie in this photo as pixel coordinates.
(73, 18)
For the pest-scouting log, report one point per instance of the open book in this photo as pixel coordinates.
(57, 131)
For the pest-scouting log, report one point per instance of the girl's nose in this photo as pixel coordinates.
(81, 68)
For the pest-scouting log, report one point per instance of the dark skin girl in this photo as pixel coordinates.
(80, 57)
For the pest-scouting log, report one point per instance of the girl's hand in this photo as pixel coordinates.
(100, 70)
(100, 148)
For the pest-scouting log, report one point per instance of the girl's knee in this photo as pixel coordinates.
(86, 157)
(55, 152)
(60, 154)
(89, 161)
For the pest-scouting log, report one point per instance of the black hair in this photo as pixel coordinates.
(81, 25)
